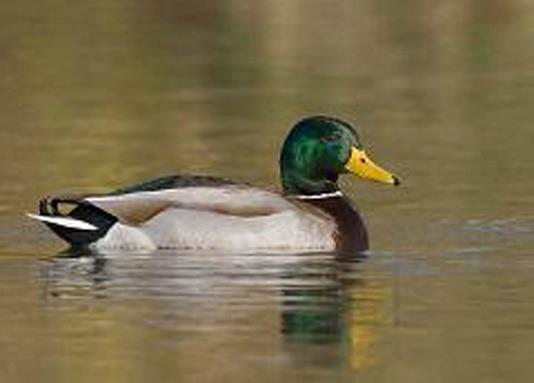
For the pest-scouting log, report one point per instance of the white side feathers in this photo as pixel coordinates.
(64, 221)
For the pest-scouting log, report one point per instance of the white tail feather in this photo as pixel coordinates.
(64, 221)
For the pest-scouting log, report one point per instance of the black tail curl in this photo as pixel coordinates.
(76, 207)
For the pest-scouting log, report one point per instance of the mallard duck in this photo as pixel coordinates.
(207, 213)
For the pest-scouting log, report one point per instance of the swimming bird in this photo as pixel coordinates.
(207, 213)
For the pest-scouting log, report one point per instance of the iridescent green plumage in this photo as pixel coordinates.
(314, 154)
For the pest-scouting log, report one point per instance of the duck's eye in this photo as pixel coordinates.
(362, 160)
(330, 138)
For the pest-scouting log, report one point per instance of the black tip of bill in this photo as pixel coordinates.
(396, 181)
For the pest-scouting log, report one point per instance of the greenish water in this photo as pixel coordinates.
(103, 94)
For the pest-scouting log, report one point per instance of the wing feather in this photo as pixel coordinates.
(243, 201)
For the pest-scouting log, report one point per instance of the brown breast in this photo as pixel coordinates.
(351, 233)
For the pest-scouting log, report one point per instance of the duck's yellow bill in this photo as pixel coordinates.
(361, 165)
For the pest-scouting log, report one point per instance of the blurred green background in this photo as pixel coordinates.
(107, 93)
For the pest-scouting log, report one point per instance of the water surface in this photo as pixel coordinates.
(100, 95)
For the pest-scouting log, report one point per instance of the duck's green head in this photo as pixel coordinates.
(317, 150)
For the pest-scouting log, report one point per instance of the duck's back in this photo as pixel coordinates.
(230, 218)
(188, 212)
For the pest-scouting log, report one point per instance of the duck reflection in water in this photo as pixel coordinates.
(338, 305)
(320, 299)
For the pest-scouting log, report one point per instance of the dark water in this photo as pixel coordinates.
(103, 94)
